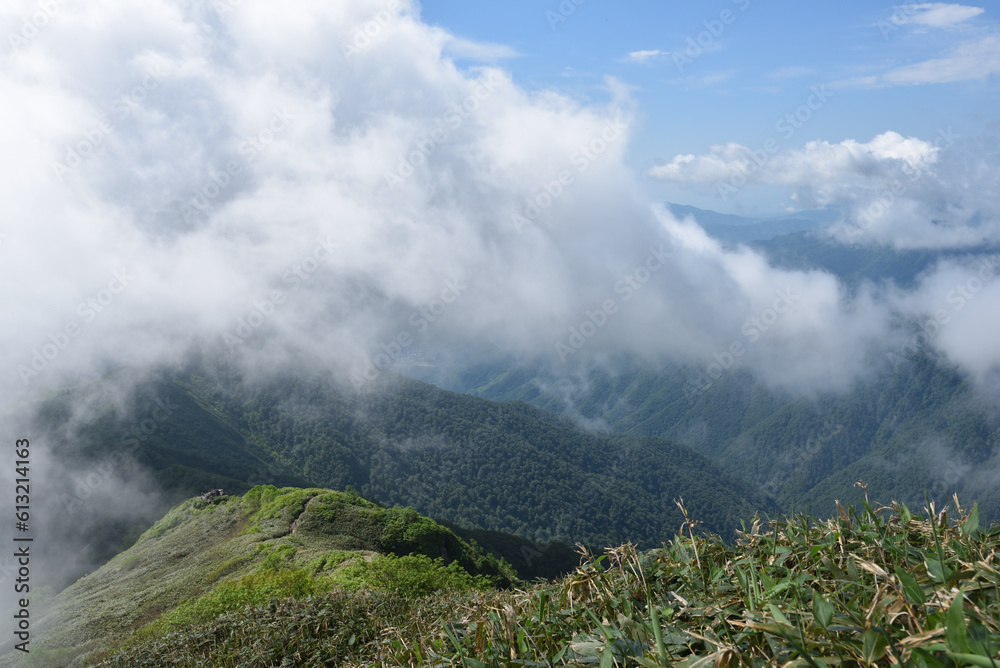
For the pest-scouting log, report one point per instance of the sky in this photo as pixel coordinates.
(346, 185)
(711, 73)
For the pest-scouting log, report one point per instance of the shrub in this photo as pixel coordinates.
(410, 577)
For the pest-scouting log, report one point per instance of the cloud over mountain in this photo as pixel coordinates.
(330, 180)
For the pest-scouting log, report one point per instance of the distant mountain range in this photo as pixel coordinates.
(916, 428)
(733, 229)
(920, 429)
(796, 241)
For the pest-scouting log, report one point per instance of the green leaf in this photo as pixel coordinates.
(913, 591)
(600, 626)
(607, 657)
(938, 571)
(778, 588)
(874, 645)
(981, 641)
(972, 659)
(822, 610)
(777, 614)
(971, 525)
(457, 644)
(955, 632)
(852, 570)
(928, 658)
(559, 655)
(658, 634)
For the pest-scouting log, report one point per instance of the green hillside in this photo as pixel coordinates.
(209, 556)
(918, 428)
(479, 464)
(876, 587)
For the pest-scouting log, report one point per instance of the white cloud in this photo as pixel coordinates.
(972, 60)
(709, 80)
(643, 57)
(954, 309)
(899, 191)
(939, 14)
(815, 162)
(966, 62)
(481, 51)
(939, 193)
(716, 165)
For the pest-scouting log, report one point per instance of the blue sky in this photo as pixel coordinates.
(913, 69)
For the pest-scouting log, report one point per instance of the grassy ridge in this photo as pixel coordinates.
(881, 586)
(208, 557)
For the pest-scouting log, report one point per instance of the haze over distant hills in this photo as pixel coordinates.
(914, 426)
(798, 241)
(731, 228)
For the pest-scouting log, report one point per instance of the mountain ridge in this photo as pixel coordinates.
(269, 541)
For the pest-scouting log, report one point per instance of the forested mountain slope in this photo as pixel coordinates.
(497, 467)
(913, 426)
(917, 428)
(503, 467)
